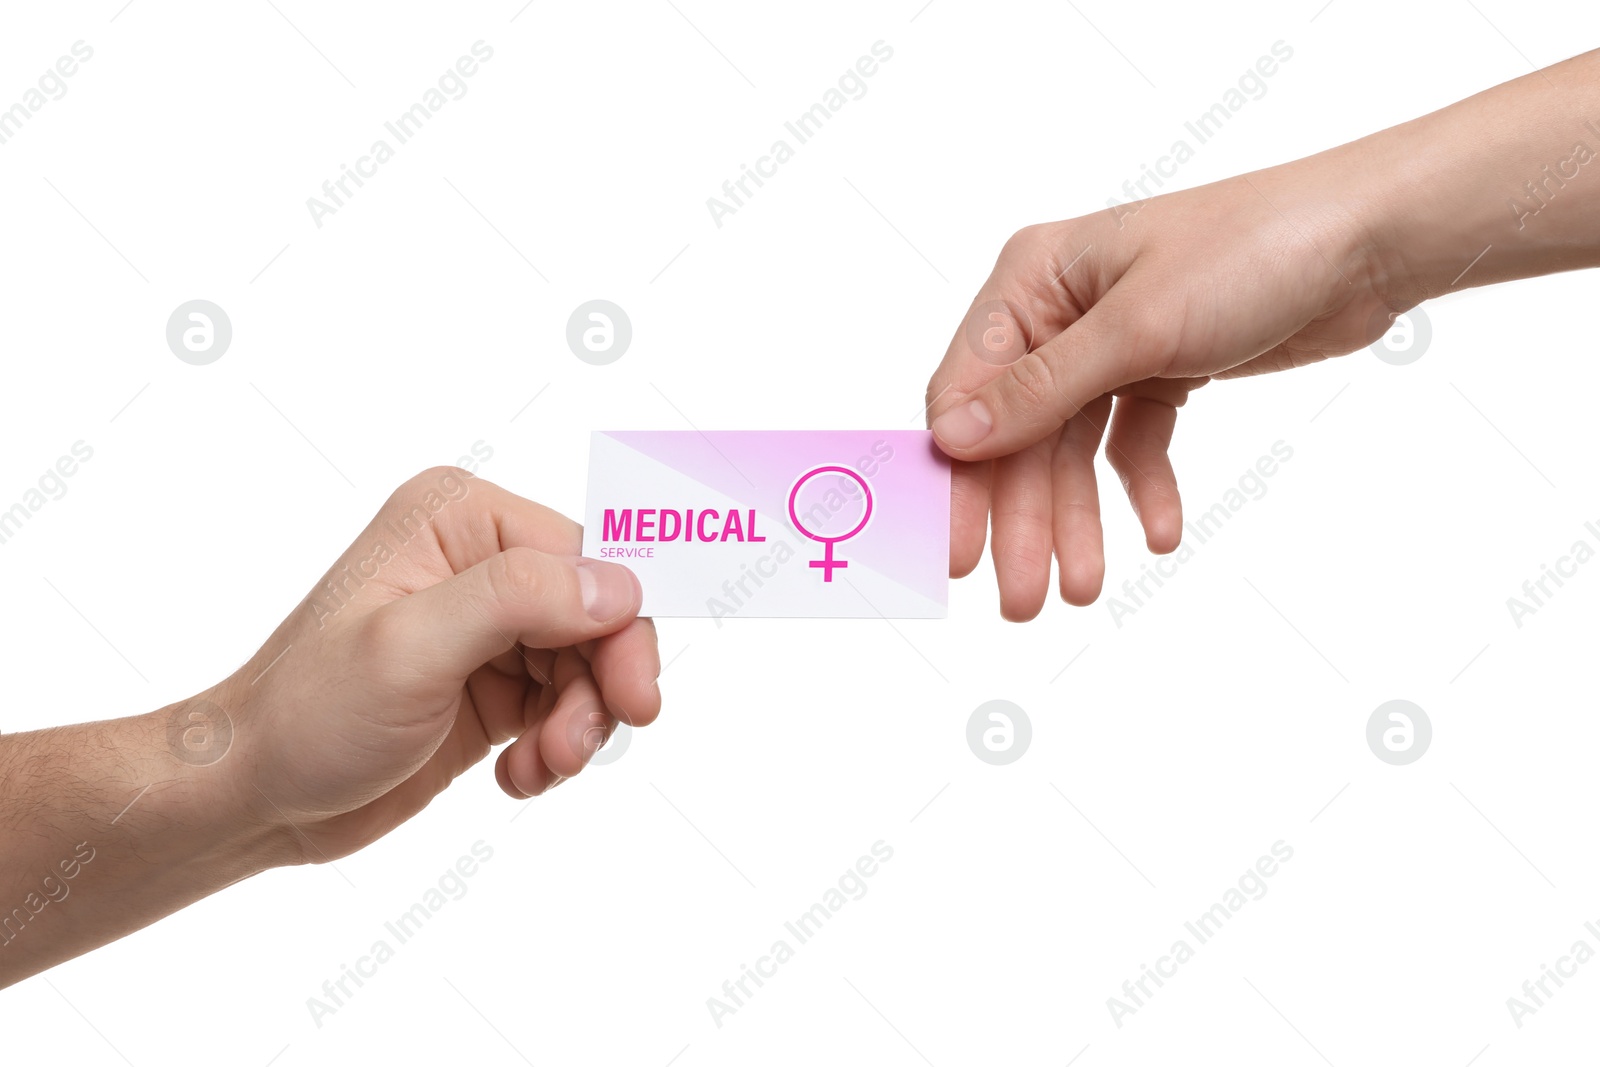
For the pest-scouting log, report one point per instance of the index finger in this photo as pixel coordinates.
(1023, 304)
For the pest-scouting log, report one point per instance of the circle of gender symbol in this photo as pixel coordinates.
(827, 563)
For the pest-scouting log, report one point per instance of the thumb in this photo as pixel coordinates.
(1047, 386)
(518, 595)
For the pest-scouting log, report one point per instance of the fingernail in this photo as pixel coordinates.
(964, 426)
(607, 589)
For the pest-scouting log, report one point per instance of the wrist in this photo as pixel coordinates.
(205, 788)
(129, 821)
(1500, 186)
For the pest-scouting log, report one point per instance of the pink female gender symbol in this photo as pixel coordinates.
(827, 562)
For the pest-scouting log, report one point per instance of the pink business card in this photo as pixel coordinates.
(774, 523)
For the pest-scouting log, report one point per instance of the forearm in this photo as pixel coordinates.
(1500, 186)
(106, 827)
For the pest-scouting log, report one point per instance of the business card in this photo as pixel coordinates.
(774, 523)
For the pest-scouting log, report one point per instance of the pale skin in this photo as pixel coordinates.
(487, 628)
(1128, 311)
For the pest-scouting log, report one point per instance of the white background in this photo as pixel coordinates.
(1222, 717)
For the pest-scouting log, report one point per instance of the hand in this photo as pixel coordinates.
(1115, 318)
(461, 618)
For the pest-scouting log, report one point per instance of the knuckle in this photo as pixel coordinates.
(1023, 242)
(1034, 383)
(1151, 336)
(382, 637)
(428, 479)
(520, 574)
(1078, 511)
(423, 492)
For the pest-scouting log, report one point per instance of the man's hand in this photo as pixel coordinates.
(461, 618)
(418, 651)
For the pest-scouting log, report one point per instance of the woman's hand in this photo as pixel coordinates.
(1100, 327)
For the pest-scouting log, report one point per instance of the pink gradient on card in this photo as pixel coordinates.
(908, 539)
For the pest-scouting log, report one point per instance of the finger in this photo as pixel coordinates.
(996, 331)
(1108, 347)
(579, 724)
(625, 666)
(538, 664)
(449, 629)
(1021, 519)
(1141, 431)
(1075, 504)
(502, 777)
(498, 699)
(443, 521)
(510, 662)
(969, 515)
(1026, 300)
(520, 769)
(491, 519)
(525, 663)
